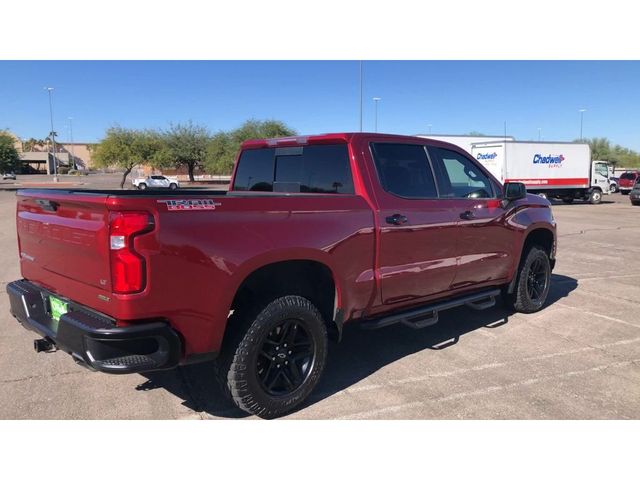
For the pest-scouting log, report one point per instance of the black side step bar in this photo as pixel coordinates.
(427, 315)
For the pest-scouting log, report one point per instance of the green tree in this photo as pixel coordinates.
(220, 154)
(224, 147)
(9, 156)
(603, 150)
(187, 144)
(125, 148)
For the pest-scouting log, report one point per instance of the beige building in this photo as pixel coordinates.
(38, 158)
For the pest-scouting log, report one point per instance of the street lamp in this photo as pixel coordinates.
(73, 154)
(360, 95)
(429, 128)
(376, 100)
(582, 110)
(52, 135)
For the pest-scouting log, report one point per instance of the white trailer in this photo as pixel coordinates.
(466, 141)
(550, 169)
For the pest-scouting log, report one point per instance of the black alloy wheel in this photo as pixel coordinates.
(286, 358)
(532, 282)
(273, 355)
(537, 280)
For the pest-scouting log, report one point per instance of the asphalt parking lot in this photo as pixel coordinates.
(579, 358)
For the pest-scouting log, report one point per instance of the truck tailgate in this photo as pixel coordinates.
(64, 234)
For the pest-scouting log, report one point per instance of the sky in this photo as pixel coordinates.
(454, 97)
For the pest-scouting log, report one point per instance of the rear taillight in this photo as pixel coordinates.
(127, 265)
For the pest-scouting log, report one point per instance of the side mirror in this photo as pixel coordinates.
(514, 191)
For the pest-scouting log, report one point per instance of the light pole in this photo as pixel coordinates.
(360, 95)
(582, 110)
(376, 100)
(52, 135)
(429, 128)
(539, 134)
(73, 153)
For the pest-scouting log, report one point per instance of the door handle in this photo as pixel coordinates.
(467, 215)
(396, 219)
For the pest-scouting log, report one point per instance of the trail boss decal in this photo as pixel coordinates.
(181, 205)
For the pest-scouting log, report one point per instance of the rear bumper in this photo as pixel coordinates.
(93, 339)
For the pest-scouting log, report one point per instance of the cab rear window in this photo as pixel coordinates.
(308, 169)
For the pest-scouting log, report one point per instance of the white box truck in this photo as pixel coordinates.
(550, 169)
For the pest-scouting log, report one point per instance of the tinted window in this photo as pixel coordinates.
(255, 171)
(157, 177)
(404, 170)
(459, 177)
(628, 176)
(315, 169)
(309, 169)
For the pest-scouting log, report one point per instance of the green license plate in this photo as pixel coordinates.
(58, 308)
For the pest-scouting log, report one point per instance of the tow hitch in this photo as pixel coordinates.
(44, 345)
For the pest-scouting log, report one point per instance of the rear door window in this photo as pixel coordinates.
(308, 169)
(404, 170)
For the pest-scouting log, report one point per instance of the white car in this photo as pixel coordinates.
(9, 176)
(155, 181)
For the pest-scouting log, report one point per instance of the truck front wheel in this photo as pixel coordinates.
(595, 197)
(532, 282)
(272, 357)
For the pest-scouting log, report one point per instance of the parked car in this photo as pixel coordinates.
(634, 195)
(8, 176)
(627, 181)
(155, 181)
(316, 233)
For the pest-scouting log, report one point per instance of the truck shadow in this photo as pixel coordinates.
(360, 354)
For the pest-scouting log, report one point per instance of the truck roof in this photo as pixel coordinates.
(325, 138)
(531, 142)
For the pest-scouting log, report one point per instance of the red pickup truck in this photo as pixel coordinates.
(314, 233)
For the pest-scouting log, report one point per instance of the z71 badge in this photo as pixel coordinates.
(180, 205)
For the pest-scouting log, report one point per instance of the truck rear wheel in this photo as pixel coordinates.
(272, 357)
(532, 282)
(595, 197)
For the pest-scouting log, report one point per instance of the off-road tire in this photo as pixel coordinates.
(520, 300)
(236, 366)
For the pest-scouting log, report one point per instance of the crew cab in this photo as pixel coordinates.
(315, 233)
(155, 181)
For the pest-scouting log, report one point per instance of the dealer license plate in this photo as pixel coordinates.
(58, 308)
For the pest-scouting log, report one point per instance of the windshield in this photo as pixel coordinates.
(627, 176)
